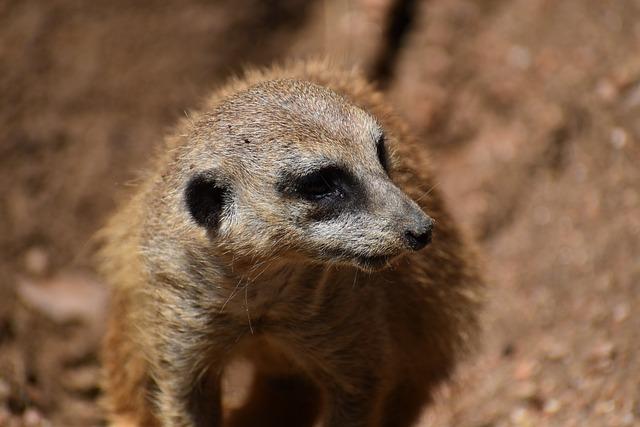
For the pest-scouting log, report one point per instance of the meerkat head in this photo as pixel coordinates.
(293, 170)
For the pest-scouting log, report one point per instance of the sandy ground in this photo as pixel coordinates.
(531, 109)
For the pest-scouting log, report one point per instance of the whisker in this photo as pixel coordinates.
(231, 295)
(426, 193)
(246, 306)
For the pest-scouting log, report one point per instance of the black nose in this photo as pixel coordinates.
(419, 237)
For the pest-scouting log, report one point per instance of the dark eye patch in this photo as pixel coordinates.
(381, 151)
(327, 185)
(328, 182)
(331, 190)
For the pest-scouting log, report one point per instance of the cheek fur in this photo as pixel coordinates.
(262, 228)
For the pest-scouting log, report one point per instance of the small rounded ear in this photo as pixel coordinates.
(205, 199)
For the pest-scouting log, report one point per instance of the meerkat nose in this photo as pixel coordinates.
(419, 236)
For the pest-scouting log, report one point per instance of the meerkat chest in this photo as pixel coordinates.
(300, 297)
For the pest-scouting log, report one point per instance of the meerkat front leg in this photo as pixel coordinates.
(176, 409)
(186, 366)
(188, 394)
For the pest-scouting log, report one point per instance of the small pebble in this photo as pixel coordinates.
(82, 379)
(32, 418)
(628, 419)
(526, 390)
(606, 90)
(603, 351)
(522, 417)
(36, 261)
(5, 391)
(556, 351)
(525, 370)
(620, 312)
(605, 407)
(551, 406)
(618, 138)
(519, 57)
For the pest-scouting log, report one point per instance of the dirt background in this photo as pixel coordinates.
(531, 109)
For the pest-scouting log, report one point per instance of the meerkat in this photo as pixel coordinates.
(287, 222)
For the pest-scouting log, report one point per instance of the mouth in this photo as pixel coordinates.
(373, 263)
(365, 262)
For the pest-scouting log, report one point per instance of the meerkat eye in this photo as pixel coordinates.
(324, 183)
(381, 151)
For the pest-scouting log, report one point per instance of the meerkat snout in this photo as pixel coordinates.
(414, 225)
(419, 235)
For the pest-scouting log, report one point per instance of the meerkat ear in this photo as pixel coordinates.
(205, 199)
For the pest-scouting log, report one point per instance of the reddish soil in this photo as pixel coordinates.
(531, 109)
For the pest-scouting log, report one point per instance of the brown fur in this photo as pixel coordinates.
(362, 348)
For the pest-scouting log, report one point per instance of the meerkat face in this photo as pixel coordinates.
(296, 171)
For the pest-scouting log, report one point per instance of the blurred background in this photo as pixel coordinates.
(530, 107)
